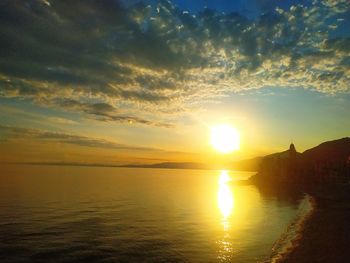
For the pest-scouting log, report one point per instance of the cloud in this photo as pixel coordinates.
(105, 112)
(116, 63)
(19, 133)
(60, 120)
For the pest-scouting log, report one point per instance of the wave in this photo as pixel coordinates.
(289, 240)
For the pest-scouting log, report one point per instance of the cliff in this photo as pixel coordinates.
(327, 162)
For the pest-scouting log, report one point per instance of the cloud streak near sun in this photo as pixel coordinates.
(116, 63)
(19, 133)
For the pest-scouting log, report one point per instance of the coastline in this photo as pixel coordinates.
(291, 238)
(325, 235)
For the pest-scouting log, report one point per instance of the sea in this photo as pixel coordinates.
(111, 214)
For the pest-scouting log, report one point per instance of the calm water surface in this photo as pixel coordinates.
(93, 214)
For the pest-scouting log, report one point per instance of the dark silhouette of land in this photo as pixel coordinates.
(324, 173)
(328, 161)
(252, 165)
(172, 165)
(325, 164)
(326, 234)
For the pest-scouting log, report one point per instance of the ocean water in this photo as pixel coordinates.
(94, 214)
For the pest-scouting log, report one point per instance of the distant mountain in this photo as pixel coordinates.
(252, 164)
(328, 162)
(255, 163)
(244, 165)
(170, 165)
(337, 150)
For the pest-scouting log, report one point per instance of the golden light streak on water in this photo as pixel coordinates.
(225, 197)
(226, 206)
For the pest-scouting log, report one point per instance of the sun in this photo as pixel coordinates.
(225, 138)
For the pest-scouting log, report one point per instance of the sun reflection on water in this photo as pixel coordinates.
(225, 205)
(225, 197)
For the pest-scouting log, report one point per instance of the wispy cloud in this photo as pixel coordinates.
(104, 112)
(117, 63)
(19, 133)
(60, 120)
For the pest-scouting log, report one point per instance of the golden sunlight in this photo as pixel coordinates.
(225, 138)
(225, 197)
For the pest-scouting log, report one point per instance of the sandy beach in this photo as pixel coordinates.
(325, 237)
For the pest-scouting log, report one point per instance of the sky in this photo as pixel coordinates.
(132, 82)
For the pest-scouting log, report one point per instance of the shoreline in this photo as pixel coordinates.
(325, 235)
(289, 240)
